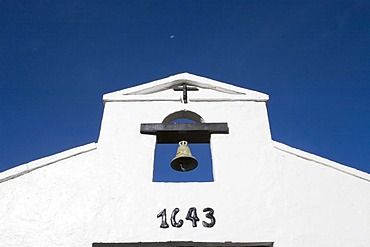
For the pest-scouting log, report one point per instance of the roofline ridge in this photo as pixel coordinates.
(45, 161)
(322, 161)
(181, 78)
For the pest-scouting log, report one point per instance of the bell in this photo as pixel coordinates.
(183, 160)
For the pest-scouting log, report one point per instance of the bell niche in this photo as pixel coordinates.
(184, 131)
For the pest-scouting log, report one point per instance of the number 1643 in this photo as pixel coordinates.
(191, 216)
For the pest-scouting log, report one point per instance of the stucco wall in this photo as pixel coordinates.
(260, 193)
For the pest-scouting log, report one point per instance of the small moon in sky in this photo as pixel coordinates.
(172, 36)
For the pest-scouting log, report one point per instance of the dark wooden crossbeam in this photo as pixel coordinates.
(190, 132)
(185, 90)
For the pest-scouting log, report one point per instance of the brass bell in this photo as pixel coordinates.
(183, 160)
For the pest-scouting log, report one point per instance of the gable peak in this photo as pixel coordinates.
(191, 80)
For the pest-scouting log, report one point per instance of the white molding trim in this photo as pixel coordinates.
(322, 161)
(144, 92)
(36, 164)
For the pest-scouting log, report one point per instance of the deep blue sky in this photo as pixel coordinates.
(57, 59)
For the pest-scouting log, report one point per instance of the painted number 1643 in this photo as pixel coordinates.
(191, 216)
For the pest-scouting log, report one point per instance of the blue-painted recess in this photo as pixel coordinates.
(164, 153)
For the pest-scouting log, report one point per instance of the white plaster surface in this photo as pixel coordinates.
(263, 190)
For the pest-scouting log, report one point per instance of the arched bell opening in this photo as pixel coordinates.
(184, 114)
(178, 162)
(173, 161)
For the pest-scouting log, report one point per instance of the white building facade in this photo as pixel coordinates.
(263, 193)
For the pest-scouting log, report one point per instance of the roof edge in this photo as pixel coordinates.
(178, 79)
(322, 161)
(140, 98)
(39, 163)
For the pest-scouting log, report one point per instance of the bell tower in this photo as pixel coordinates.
(219, 115)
